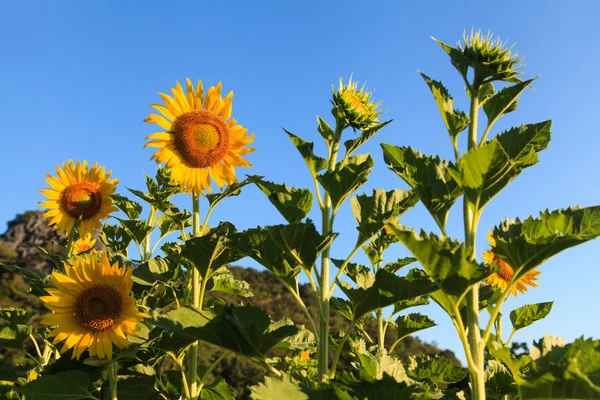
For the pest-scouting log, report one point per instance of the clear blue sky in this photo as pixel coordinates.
(77, 77)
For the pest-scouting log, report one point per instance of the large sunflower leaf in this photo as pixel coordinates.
(428, 176)
(313, 162)
(455, 121)
(218, 390)
(210, 251)
(69, 385)
(246, 330)
(374, 366)
(529, 313)
(372, 212)
(225, 282)
(137, 230)
(522, 143)
(282, 249)
(14, 327)
(385, 290)
(526, 245)
(498, 381)
(231, 190)
(504, 101)
(353, 144)
(131, 208)
(342, 182)
(411, 323)
(293, 204)
(436, 369)
(37, 279)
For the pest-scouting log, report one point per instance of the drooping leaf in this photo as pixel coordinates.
(314, 163)
(372, 212)
(528, 314)
(504, 101)
(225, 282)
(282, 249)
(428, 176)
(131, 208)
(436, 369)
(526, 245)
(231, 190)
(244, 329)
(293, 204)
(353, 144)
(341, 183)
(455, 121)
(411, 323)
(210, 251)
(70, 385)
(386, 290)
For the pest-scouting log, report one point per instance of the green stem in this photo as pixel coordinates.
(510, 337)
(150, 223)
(37, 348)
(380, 331)
(186, 388)
(211, 368)
(471, 215)
(393, 346)
(196, 290)
(302, 305)
(343, 267)
(338, 352)
(112, 379)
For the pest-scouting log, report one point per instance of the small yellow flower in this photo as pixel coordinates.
(502, 278)
(201, 141)
(78, 192)
(92, 307)
(355, 106)
(83, 244)
(305, 355)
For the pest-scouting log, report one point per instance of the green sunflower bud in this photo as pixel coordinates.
(355, 106)
(490, 58)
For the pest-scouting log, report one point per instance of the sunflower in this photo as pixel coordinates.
(92, 307)
(502, 278)
(200, 141)
(78, 192)
(83, 244)
(355, 106)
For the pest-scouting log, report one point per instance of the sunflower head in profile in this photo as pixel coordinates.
(83, 244)
(78, 192)
(355, 106)
(92, 307)
(502, 278)
(200, 140)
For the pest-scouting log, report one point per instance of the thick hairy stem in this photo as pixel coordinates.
(196, 290)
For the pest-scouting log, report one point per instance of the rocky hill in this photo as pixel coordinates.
(28, 230)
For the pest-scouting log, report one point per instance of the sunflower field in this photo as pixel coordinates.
(131, 300)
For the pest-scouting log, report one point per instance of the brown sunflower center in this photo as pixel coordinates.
(201, 138)
(98, 307)
(506, 271)
(81, 200)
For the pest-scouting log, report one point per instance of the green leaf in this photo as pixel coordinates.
(37, 279)
(294, 204)
(446, 261)
(137, 388)
(372, 212)
(428, 176)
(173, 220)
(353, 144)
(282, 249)
(526, 245)
(411, 323)
(341, 183)
(386, 290)
(70, 385)
(277, 389)
(404, 304)
(131, 208)
(436, 369)
(528, 314)
(137, 230)
(460, 62)
(455, 121)
(225, 282)
(245, 329)
(115, 238)
(498, 381)
(325, 130)
(374, 366)
(504, 101)
(218, 390)
(231, 190)
(14, 327)
(523, 143)
(160, 190)
(362, 275)
(395, 266)
(210, 251)
(314, 163)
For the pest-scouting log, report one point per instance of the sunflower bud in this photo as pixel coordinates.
(355, 106)
(490, 58)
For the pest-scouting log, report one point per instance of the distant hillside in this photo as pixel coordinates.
(269, 294)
